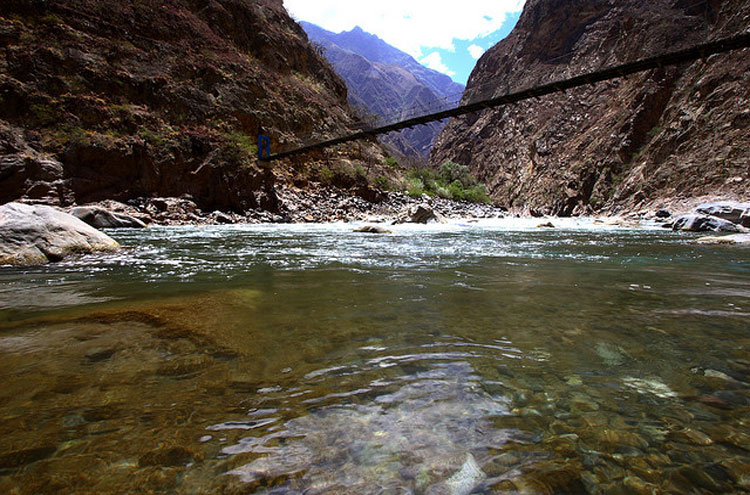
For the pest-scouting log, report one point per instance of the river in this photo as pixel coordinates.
(488, 357)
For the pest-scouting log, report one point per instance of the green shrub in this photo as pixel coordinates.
(382, 182)
(450, 181)
(415, 187)
(390, 162)
(242, 144)
(44, 114)
(325, 175)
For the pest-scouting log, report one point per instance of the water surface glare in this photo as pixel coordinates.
(490, 357)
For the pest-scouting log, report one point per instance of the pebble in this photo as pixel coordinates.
(637, 486)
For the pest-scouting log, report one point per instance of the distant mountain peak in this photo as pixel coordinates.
(385, 80)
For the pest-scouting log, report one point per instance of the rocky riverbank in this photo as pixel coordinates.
(296, 205)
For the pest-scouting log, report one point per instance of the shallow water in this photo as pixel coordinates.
(310, 359)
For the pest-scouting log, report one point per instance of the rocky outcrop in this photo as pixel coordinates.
(102, 99)
(678, 132)
(738, 213)
(387, 82)
(99, 218)
(34, 235)
(724, 216)
(704, 223)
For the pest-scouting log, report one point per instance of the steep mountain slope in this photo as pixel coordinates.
(111, 99)
(666, 134)
(386, 81)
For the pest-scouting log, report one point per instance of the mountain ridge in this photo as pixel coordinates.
(387, 82)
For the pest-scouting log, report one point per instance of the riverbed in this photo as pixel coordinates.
(474, 357)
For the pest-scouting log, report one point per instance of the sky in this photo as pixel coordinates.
(446, 36)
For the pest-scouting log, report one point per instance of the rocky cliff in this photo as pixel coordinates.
(387, 82)
(662, 135)
(119, 99)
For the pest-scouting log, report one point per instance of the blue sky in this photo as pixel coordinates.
(439, 35)
(460, 61)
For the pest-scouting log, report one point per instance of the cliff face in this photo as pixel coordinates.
(386, 81)
(117, 99)
(665, 134)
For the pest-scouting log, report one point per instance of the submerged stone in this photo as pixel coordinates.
(461, 483)
(18, 458)
(171, 456)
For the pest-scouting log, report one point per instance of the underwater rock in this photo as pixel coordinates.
(18, 458)
(611, 354)
(689, 435)
(551, 478)
(172, 456)
(462, 482)
(650, 386)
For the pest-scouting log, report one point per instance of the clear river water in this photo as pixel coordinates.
(492, 357)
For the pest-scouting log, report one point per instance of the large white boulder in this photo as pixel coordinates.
(36, 234)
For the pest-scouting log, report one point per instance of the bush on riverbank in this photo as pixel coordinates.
(450, 181)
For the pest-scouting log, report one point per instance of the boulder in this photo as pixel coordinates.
(725, 239)
(34, 235)
(99, 218)
(704, 223)
(221, 218)
(738, 213)
(373, 229)
(663, 214)
(421, 213)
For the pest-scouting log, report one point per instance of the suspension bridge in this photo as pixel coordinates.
(701, 51)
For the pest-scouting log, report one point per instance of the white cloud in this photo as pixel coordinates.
(409, 25)
(435, 62)
(476, 51)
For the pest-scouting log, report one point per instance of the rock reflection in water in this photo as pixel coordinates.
(411, 439)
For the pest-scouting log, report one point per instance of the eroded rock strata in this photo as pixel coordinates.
(662, 135)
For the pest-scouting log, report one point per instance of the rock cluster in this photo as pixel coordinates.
(333, 205)
(714, 217)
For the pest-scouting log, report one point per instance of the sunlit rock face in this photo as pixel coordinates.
(677, 131)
